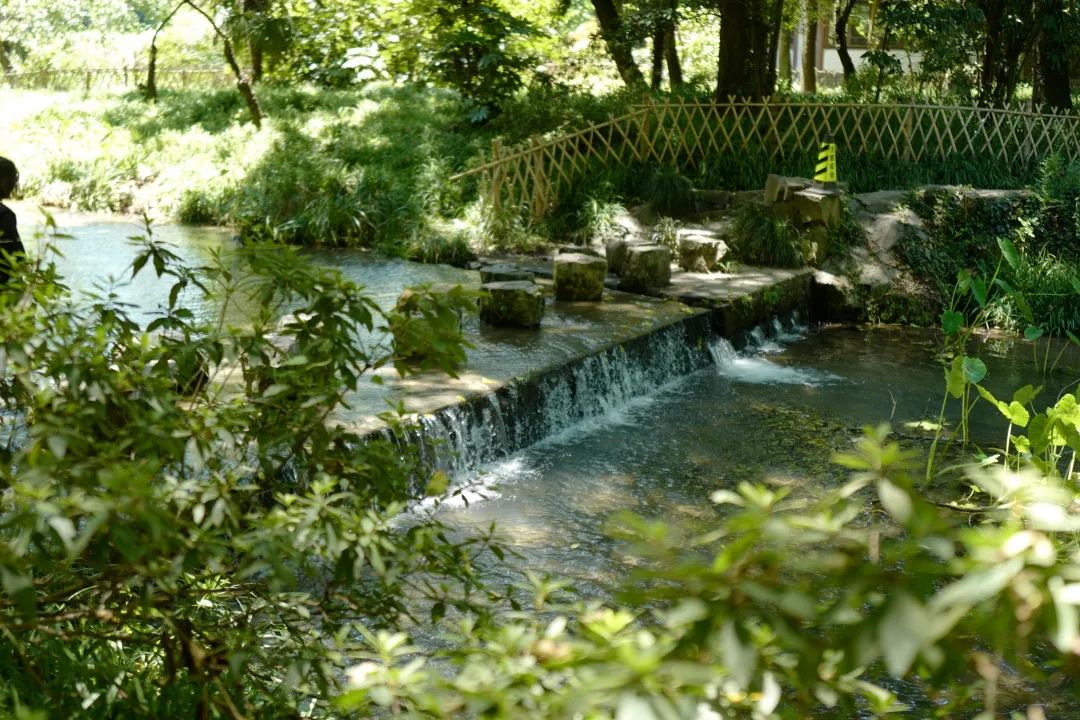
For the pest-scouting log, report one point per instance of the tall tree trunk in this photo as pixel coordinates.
(784, 69)
(1052, 69)
(809, 78)
(992, 11)
(674, 67)
(776, 23)
(744, 64)
(243, 85)
(150, 91)
(254, 11)
(611, 29)
(659, 48)
(843, 16)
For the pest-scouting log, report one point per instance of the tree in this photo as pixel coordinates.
(749, 38)
(618, 41)
(843, 17)
(243, 80)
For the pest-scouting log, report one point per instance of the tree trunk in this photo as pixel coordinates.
(659, 48)
(784, 69)
(618, 45)
(243, 85)
(150, 92)
(744, 65)
(1052, 68)
(253, 9)
(776, 22)
(5, 61)
(809, 78)
(674, 67)
(843, 16)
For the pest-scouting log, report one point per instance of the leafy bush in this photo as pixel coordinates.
(963, 236)
(761, 238)
(178, 542)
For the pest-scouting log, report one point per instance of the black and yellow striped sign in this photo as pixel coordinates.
(826, 164)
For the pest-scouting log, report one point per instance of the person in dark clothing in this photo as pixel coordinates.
(9, 230)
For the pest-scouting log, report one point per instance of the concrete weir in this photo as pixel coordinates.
(586, 360)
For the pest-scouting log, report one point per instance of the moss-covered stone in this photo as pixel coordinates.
(647, 266)
(579, 277)
(504, 273)
(514, 303)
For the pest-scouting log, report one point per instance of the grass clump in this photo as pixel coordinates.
(670, 193)
(764, 239)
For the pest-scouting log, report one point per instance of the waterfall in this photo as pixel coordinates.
(461, 439)
(752, 366)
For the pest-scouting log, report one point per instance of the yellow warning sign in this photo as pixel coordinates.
(826, 164)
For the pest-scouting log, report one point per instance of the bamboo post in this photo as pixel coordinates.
(538, 205)
(909, 152)
(495, 191)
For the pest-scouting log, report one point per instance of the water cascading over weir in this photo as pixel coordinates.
(668, 341)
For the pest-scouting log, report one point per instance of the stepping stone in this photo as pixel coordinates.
(504, 273)
(616, 251)
(513, 303)
(647, 266)
(577, 249)
(579, 277)
(697, 252)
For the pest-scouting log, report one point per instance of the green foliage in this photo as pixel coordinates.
(666, 233)
(177, 542)
(474, 53)
(670, 193)
(761, 238)
(1039, 233)
(787, 608)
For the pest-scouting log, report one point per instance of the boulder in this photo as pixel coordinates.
(616, 254)
(579, 277)
(713, 199)
(504, 273)
(512, 303)
(697, 251)
(816, 205)
(647, 266)
(779, 188)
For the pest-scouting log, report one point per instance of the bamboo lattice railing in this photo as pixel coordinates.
(530, 176)
(110, 78)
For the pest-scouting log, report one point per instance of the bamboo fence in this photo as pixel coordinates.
(115, 78)
(530, 176)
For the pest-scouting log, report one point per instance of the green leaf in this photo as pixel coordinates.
(974, 369)
(1075, 283)
(1017, 414)
(438, 484)
(740, 658)
(976, 586)
(895, 501)
(1033, 333)
(1026, 394)
(951, 322)
(978, 291)
(1008, 251)
(900, 633)
(954, 377)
